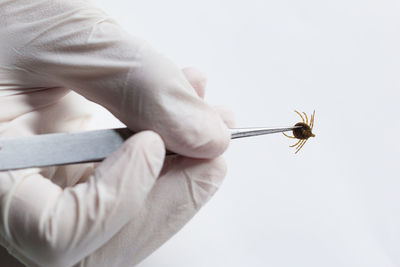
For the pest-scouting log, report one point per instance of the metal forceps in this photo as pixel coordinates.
(91, 146)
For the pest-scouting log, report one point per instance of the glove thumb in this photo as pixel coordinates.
(130, 173)
(62, 226)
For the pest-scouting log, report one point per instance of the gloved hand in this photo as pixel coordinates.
(117, 213)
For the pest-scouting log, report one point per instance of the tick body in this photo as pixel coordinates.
(304, 132)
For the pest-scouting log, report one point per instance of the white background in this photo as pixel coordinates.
(337, 202)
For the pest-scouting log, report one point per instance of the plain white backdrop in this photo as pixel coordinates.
(337, 202)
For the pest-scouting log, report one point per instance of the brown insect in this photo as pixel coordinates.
(304, 132)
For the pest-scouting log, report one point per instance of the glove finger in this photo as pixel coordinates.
(199, 81)
(56, 227)
(184, 186)
(227, 115)
(196, 79)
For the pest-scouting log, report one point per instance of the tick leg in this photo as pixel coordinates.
(299, 144)
(312, 120)
(300, 115)
(298, 149)
(300, 140)
(288, 135)
(306, 117)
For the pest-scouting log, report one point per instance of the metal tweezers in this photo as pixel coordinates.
(91, 146)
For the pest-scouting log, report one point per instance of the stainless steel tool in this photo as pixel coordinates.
(91, 146)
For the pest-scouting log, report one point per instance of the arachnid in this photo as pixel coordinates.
(304, 132)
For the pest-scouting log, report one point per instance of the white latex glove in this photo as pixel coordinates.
(121, 211)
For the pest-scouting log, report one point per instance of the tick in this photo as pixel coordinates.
(304, 132)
